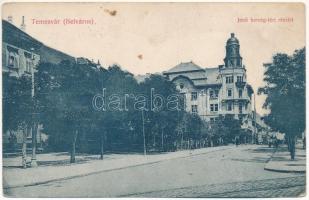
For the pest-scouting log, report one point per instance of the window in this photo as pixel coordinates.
(240, 93)
(216, 93)
(28, 132)
(229, 92)
(193, 96)
(239, 79)
(12, 59)
(183, 100)
(229, 106)
(214, 107)
(240, 108)
(28, 65)
(194, 109)
(213, 119)
(229, 79)
(213, 93)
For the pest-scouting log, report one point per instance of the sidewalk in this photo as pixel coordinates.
(281, 161)
(51, 170)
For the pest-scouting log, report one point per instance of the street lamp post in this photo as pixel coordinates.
(144, 137)
(254, 117)
(34, 121)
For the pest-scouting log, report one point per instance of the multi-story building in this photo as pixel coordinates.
(210, 92)
(21, 53)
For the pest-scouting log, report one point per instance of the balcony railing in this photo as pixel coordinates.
(240, 84)
(13, 67)
(241, 99)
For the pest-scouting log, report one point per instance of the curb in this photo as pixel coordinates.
(281, 170)
(105, 170)
(285, 171)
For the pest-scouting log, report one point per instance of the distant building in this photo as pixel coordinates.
(141, 78)
(223, 90)
(86, 61)
(263, 131)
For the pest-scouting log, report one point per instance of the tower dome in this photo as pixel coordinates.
(232, 40)
(232, 57)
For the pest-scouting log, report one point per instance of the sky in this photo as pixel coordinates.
(154, 37)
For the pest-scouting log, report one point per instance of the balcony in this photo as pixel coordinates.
(13, 67)
(213, 97)
(240, 84)
(235, 99)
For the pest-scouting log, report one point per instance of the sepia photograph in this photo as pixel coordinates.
(153, 99)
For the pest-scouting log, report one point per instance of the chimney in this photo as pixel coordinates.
(23, 25)
(10, 19)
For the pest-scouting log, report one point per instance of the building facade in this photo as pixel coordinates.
(211, 92)
(21, 53)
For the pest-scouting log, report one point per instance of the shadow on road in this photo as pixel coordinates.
(255, 160)
(262, 150)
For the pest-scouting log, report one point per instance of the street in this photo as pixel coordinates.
(234, 172)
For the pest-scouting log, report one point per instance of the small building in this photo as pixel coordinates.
(86, 61)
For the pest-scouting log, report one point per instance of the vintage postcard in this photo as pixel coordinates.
(153, 100)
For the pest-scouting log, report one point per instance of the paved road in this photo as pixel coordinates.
(236, 172)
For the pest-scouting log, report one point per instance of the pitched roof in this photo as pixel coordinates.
(14, 36)
(212, 75)
(198, 75)
(183, 67)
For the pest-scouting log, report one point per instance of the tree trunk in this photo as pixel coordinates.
(181, 141)
(83, 141)
(72, 160)
(24, 149)
(291, 146)
(162, 139)
(102, 147)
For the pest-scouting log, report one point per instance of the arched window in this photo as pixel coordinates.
(12, 61)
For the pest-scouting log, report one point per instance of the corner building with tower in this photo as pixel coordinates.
(211, 92)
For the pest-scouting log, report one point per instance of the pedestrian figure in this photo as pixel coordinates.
(237, 141)
(269, 142)
(276, 142)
